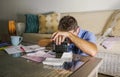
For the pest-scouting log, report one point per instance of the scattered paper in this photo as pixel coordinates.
(67, 56)
(40, 54)
(33, 48)
(53, 61)
(34, 58)
(13, 49)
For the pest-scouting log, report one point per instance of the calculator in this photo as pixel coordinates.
(60, 48)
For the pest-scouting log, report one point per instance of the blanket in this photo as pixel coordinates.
(111, 42)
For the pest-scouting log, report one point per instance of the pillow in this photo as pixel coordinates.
(113, 23)
(48, 23)
(32, 24)
(116, 29)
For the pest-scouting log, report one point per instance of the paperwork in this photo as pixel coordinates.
(66, 57)
(13, 49)
(21, 48)
(53, 61)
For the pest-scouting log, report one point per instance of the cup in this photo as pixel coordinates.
(16, 40)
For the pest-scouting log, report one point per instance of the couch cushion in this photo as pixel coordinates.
(114, 23)
(32, 24)
(116, 29)
(34, 37)
(48, 23)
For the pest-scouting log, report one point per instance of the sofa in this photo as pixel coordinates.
(39, 26)
(105, 25)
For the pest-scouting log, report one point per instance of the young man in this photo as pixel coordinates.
(81, 41)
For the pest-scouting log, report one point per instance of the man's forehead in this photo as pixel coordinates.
(72, 31)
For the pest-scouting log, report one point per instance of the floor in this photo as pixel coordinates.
(102, 75)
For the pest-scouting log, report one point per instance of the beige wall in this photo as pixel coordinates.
(92, 21)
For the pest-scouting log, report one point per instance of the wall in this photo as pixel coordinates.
(10, 9)
(92, 21)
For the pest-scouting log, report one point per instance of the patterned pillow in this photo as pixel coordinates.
(32, 24)
(48, 23)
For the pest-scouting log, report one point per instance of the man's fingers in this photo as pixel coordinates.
(59, 37)
(63, 38)
(53, 35)
(59, 40)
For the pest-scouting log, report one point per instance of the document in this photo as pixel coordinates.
(32, 48)
(34, 58)
(53, 61)
(13, 49)
(38, 56)
(66, 57)
(22, 48)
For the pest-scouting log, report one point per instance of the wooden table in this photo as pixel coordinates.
(20, 67)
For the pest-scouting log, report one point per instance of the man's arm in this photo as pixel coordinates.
(44, 42)
(86, 46)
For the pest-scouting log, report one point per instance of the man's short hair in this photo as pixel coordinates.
(67, 23)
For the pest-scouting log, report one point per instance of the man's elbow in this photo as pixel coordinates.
(93, 53)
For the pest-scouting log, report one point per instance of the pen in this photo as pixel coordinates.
(22, 49)
(32, 52)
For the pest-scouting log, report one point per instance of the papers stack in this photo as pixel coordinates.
(34, 58)
(38, 56)
(13, 50)
(53, 61)
(66, 57)
(33, 48)
(21, 48)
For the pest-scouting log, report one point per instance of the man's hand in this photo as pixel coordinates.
(59, 37)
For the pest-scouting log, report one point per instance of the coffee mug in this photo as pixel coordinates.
(16, 40)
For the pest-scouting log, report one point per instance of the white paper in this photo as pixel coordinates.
(67, 56)
(13, 50)
(33, 48)
(53, 61)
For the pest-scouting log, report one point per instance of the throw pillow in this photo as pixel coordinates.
(114, 23)
(48, 23)
(32, 24)
(116, 29)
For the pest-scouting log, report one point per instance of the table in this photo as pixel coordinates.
(20, 67)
